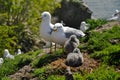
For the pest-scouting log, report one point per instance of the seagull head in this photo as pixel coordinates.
(117, 11)
(6, 52)
(73, 38)
(19, 51)
(76, 50)
(46, 16)
(1, 60)
(83, 23)
(58, 27)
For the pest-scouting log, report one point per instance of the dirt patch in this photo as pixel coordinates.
(88, 66)
(107, 26)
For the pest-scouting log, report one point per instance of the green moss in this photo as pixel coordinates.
(56, 77)
(103, 73)
(109, 55)
(98, 41)
(95, 23)
(46, 58)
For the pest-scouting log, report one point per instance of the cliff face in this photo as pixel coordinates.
(72, 12)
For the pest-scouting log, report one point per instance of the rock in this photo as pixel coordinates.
(72, 12)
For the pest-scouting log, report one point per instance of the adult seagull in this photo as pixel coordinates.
(46, 27)
(84, 26)
(62, 33)
(7, 54)
(115, 16)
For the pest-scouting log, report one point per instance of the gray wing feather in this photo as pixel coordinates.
(72, 31)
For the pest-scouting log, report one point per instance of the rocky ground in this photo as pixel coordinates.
(89, 65)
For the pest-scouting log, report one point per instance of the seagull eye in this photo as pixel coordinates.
(45, 15)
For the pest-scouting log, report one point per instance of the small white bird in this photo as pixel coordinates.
(7, 54)
(115, 16)
(84, 26)
(18, 52)
(71, 44)
(74, 59)
(1, 61)
(62, 33)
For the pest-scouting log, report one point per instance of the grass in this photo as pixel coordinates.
(46, 59)
(10, 66)
(103, 73)
(98, 41)
(95, 23)
(109, 55)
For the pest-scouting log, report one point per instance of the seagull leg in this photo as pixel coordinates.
(55, 47)
(50, 47)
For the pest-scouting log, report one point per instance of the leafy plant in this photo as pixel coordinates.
(98, 41)
(96, 23)
(12, 65)
(45, 59)
(109, 55)
(103, 73)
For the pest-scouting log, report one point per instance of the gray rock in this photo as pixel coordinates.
(72, 12)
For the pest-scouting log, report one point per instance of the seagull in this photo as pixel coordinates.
(18, 52)
(1, 61)
(62, 33)
(74, 59)
(71, 44)
(115, 16)
(46, 27)
(7, 54)
(84, 26)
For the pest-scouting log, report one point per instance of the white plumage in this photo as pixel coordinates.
(84, 26)
(62, 33)
(46, 26)
(7, 54)
(115, 16)
(18, 52)
(1, 61)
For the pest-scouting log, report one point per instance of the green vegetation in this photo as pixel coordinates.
(10, 66)
(109, 55)
(46, 59)
(19, 27)
(96, 23)
(98, 41)
(103, 73)
(18, 22)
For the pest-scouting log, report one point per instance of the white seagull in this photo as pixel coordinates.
(7, 54)
(62, 33)
(18, 52)
(46, 27)
(1, 61)
(84, 26)
(115, 16)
